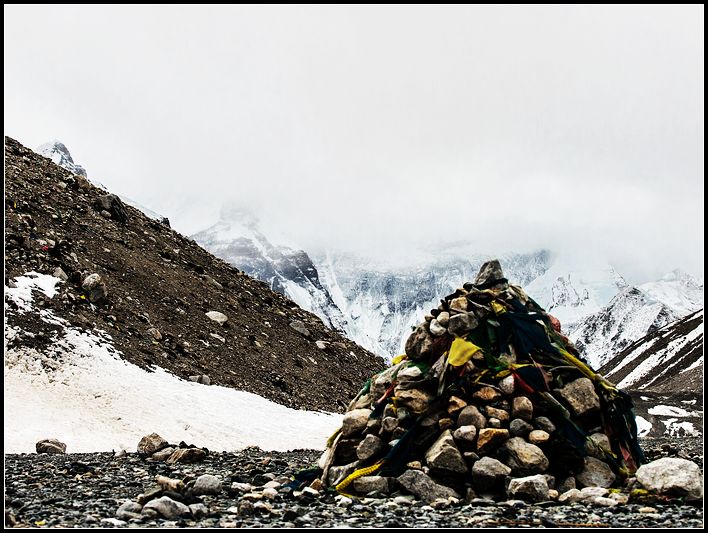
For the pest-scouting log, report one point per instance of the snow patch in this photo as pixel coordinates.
(669, 410)
(80, 391)
(643, 426)
(21, 293)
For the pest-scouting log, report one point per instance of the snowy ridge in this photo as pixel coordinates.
(571, 293)
(59, 154)
(635, 312)
(671, 354)
(78, 389)
(237, 239)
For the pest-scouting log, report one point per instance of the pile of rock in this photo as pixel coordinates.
(155, 448)
(490, 400)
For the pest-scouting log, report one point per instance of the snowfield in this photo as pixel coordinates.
(80, 391)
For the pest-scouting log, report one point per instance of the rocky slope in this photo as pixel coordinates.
(155, 290)
(664, 372)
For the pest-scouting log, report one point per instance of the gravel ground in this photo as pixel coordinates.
(86, 490)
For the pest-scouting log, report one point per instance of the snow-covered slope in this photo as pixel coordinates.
(571, 292)
(678, 290)
(669, 359)
(80, 390)
(635, 312)
(59, 154)
(237, 239)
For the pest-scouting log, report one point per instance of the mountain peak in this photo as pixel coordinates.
(60, 155)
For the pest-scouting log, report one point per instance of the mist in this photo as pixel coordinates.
(384, 130)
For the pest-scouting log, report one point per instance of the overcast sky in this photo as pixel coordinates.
(384, 128)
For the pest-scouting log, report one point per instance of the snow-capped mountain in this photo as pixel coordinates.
(571, 293)
(59, 154)
(381, 303)
(237, 239)
(633, 313)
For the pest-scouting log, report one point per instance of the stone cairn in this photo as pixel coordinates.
(490, 400)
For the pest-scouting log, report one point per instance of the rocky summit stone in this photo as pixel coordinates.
(420, 343)
(544, 423)
(488, 474)
(461, 323)
(443, 318)
(50, 446)
(150, 444)
(521, 407)
(499, 414)
(471, 416)
(370, 447)
(507, 385)
(207, 484)
(187, 455)
(522, 457)
(465, 434)
(443, 455)
(520, 428)
(422, 486)
(672, 476)
(218, 317)
(530, 488)
(167, 508)
(581, 396)
(459, 304)
(436, 328)
(538, 436)
(455, 405)
(490, 438)
(416, 400)
(367, 484)
(355, 421)
(490, 272)
(487, 395)
(595, 473)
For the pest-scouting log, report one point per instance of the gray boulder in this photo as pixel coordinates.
(370, 447)
(150, 444)
(167, 508)
(522, 457)
(488, 474)
(673, 476)
(443, 455)
(531, 488)
(581, 396)
(596, 473)
(207, 484)
(50, 446)
(421, 485)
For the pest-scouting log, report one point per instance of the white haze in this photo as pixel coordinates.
(384, 129)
